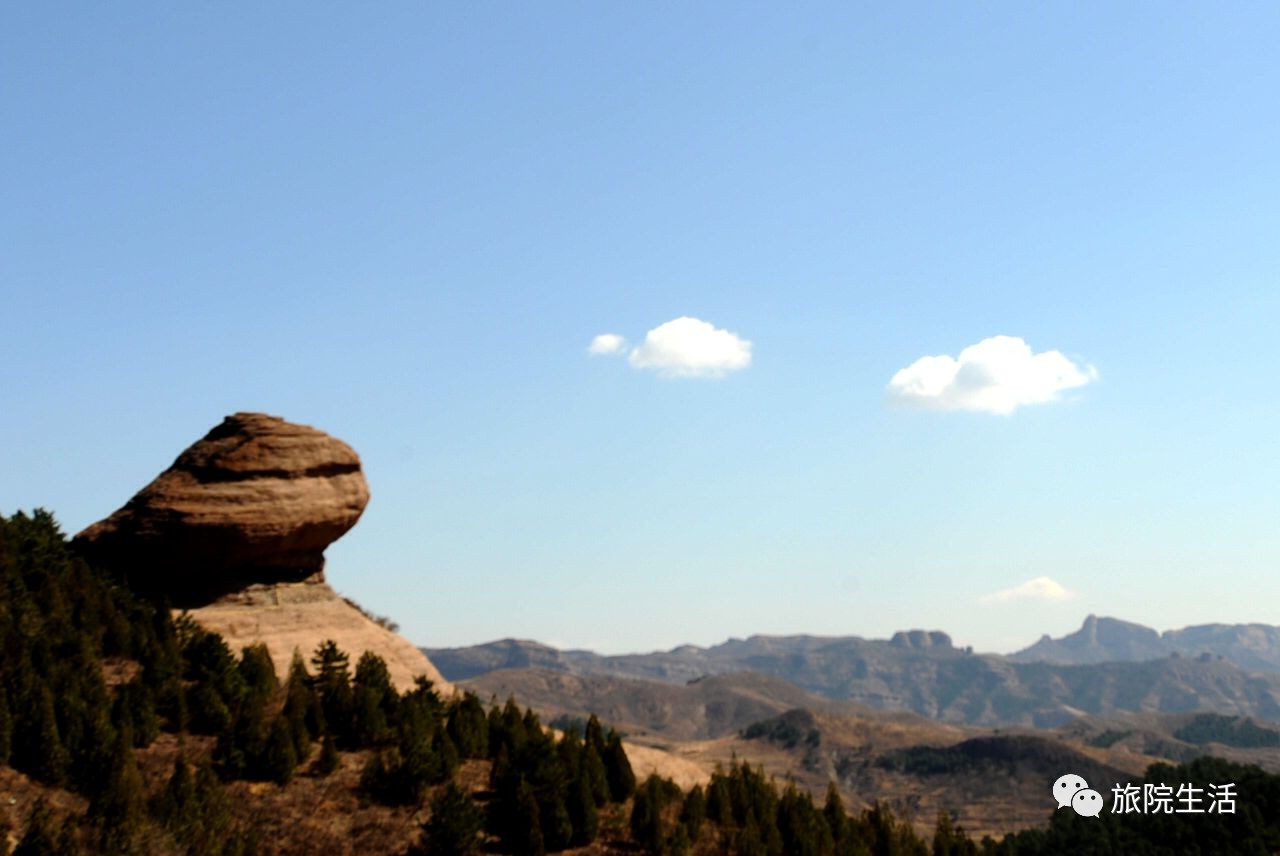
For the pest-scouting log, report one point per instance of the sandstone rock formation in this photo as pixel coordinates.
(235, 532)
(256, 500)
(299, 616)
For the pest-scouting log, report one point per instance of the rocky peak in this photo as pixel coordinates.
(256, 500)
(235, 531)
(918, 640)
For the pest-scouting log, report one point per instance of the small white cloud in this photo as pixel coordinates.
(997, 375)
(688, 347)
(607, 343)
(1041, 588)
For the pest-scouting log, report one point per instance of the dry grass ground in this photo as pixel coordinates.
(299, 616)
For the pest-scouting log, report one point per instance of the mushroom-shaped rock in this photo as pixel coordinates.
(257, 500)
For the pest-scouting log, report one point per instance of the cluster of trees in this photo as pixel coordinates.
(547, 793)
(1253, 828)
(741, 811)
(65, 628)
(1228, 730)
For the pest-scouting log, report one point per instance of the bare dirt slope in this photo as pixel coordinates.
(299, 616)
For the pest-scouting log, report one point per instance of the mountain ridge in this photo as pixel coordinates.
(924, 673)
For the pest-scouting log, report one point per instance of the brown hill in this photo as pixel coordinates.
(299, 616)
(704, 709)
(994, 781)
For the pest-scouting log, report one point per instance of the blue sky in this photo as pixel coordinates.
(406, 225)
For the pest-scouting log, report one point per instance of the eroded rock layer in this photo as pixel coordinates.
(256, 500)
(288, 617)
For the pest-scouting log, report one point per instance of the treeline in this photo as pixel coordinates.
(91, 673)
(63, 627)
(1242, 732)
(1252, 828)
(741, 811)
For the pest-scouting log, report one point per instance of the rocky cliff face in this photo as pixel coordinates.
(256, 500)
(235, 532)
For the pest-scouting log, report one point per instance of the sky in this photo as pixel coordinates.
(669, 323)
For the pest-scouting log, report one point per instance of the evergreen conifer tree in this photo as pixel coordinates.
(328, 760)
(257, 672)
(583, 812)
(526, 827)
(468, 727)
(43, 755)
(278, 756)
(594, 774)
(332, 681)
(622, 781)
(694, 812)
(454, 827)
(117, 810)
(301, 708)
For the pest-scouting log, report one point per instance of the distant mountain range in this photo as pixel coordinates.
(1253, 647)
(1106, 666)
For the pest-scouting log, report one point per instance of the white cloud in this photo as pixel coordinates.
(688, 347)
(607, 343)
(997, 375)
(1041, 588)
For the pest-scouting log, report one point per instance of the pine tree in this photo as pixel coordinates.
(257, 671)
(593, 736)
(594, 774)
(174, 806)
(374, 701)
(648, 827)
(328, 760)
(554, 819)
(278, 757)
(219, 689)
(622, 781)
(454, 827)
(218, 834)
(526, 829)
(583, 812)
(694, 812)
(834, 813)
(646, 818)
(194, 809)
(117, 812)
(680, 843)
(803, 830)
(302, 708)
(332, 682)
(720, 800)
(949, 838)
(43, 755)
(468, 726)
(134, 704)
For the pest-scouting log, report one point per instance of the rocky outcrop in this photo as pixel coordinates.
(919, 640)
(1099, 640)
(235, 532)
(256, 500)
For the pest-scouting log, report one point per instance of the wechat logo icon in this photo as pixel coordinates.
(1072, 790)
